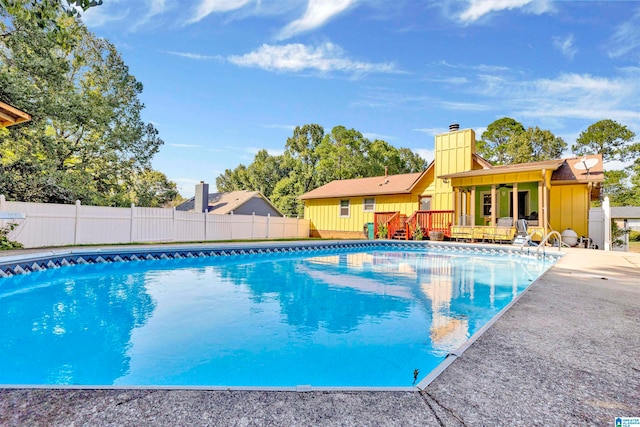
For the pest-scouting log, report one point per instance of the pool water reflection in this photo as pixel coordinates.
(346, 317)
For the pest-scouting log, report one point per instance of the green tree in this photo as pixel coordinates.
(609, 138)
(86, 139)
(534, 144)
(616, 186)
(152, 188)
(342, 155)
(497, 140)
(313, 158)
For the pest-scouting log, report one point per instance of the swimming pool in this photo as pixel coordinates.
(326, 315)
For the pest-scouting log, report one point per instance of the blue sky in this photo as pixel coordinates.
(225, 78)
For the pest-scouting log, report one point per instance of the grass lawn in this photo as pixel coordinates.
(634, 247)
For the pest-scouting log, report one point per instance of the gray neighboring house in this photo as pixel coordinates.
(626, 216)
(241, 202)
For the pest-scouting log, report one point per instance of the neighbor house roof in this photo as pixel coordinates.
(224, 203)
(11, 115)
(372, 186)
(625, 212)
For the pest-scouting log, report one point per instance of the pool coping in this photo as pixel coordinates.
(40, 261)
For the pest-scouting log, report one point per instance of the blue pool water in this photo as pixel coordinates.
(346, 317)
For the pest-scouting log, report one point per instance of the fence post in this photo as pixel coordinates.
(2, 202)
(607, 224)
(131, 221)
(76, 229)
(268, 224)
(204, 217)
(253, 221)
(173, 224)
(284, 227)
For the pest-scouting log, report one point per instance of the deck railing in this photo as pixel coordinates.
(390, 220)
(429, 221)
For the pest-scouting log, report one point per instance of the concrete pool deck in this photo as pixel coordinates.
(568, 352)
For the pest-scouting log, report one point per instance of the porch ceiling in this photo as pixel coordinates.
(11, 116)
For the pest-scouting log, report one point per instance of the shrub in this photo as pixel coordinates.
(5, 243)
(634, 236)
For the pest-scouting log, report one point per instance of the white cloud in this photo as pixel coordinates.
(207, 7)
(373, 136)
(196, 56)
(464, 106)
(154, 8)
(425, 153)
(626, 39)
(572, 96)
(431, 131)
(479, 8)
(298, 57)
(565, 45)
(100, 16)
(317, 14)
(276, 126)
(186, 145)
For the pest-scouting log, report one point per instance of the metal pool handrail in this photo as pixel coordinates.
(546, 239)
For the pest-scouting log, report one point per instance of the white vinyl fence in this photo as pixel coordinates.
(48, 224)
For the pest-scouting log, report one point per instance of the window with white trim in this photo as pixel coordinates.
(486, 204)
(344, 208)
(369, 204)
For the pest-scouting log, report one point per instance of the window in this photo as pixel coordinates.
(486, 204)
(425, 203)
(344, 208)
(369, 204)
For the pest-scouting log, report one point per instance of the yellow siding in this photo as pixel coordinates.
(498, 179)
(324, 214)
(569, 207)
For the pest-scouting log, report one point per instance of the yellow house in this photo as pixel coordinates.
(460, 195)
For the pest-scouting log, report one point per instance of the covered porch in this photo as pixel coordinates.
(534, 198)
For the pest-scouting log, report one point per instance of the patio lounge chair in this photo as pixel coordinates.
(465, 229)
(503, 230)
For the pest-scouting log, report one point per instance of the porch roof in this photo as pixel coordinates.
(372, 186)
(519, 167)
(11, 116)
(564, 170)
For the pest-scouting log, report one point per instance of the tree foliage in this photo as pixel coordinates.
(616, 143)
(497, 139)
(609, 138)
(312, 159)
(506, 141)
(86, 139)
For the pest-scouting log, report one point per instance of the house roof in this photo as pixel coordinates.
(569, 172)
(625, 212)
(564, 170)
(11, 116)
(372, 186)
(224, 203)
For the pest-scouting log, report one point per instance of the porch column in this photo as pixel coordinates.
(493, 205)
(514, 201)
(472, 207)
(540, 200)
(545, 202)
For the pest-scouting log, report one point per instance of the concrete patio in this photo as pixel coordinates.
(567, 353)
